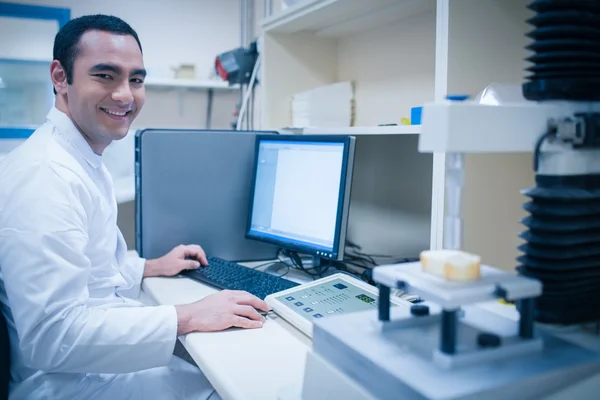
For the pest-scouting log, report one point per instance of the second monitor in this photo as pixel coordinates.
(301, 193)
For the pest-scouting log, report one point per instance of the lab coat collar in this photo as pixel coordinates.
(69, 131)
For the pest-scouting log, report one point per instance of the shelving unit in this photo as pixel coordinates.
(390, 59)
(366, 130)
(401, 54)
(387, 49)
(187, 84)
(183, 85)
(340, 18)
(456, 126)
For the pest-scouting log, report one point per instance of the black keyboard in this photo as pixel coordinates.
(224, 274)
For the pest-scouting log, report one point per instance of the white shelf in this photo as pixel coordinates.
(476, 128)
(188, 84)
(339, 18)
(366, 130)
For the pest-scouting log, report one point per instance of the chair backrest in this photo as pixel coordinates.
(4, 359)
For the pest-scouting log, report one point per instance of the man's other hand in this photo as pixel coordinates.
(220, 311)
(180, 258)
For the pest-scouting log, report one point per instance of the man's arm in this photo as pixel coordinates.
(46, 273)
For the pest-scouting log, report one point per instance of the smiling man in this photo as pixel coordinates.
(67, 286)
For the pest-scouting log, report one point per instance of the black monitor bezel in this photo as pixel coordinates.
(337, 252)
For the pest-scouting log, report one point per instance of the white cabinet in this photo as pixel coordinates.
(387, 47)
(401, 54)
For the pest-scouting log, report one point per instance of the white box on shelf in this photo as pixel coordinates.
(324, 106)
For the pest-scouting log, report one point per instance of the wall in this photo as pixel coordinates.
(163, 109)
(390, 204)
(391, 200)
(174, 32)
(492, 203)
(27, 39)
(390, 82)
(171, 32)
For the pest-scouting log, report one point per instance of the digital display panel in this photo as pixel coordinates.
(329, 298)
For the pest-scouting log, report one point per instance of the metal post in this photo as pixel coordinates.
(249, 22)
(384, 303)
(455, 177)
(527, 309)
(267, 8)
(449, 332)
(243, 32)
(243, 29)
(209, 104)
(249, 38)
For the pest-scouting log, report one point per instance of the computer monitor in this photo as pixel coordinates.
(301, 193)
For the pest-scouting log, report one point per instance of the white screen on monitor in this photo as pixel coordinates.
(297, 191)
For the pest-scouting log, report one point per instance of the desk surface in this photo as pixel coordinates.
(241, 364)
(262, 363)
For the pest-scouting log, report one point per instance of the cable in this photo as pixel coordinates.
(355, 253)
(248, 93)
(355, 263)
(251, 112)
(538, 146)
(296, 263)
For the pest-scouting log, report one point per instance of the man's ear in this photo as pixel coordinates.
(59, 77)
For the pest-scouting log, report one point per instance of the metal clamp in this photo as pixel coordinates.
(568, 130)
(580, 130)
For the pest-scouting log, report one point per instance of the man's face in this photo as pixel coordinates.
(107, 91)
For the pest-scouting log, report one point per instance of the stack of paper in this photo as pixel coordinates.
(326, 106)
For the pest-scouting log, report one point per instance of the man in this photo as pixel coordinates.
(66, 284)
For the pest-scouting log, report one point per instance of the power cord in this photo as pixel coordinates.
(355, 263)
(296, 262)
(249, 91)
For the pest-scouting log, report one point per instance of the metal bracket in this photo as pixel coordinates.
(569, 129)
(580, 130)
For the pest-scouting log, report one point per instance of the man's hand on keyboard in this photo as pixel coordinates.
(180, 258)
(220, 311)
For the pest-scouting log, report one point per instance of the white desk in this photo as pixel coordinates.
(241, 364)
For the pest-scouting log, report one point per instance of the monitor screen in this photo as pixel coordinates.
(301, 192)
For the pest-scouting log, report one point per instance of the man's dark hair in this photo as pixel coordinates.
(66, 42)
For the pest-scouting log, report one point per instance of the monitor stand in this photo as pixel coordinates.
(316, 261)
(320, 262)
(277, 268)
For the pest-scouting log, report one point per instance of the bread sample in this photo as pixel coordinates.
(455, 265)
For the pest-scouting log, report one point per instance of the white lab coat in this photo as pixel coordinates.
(67, 285)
